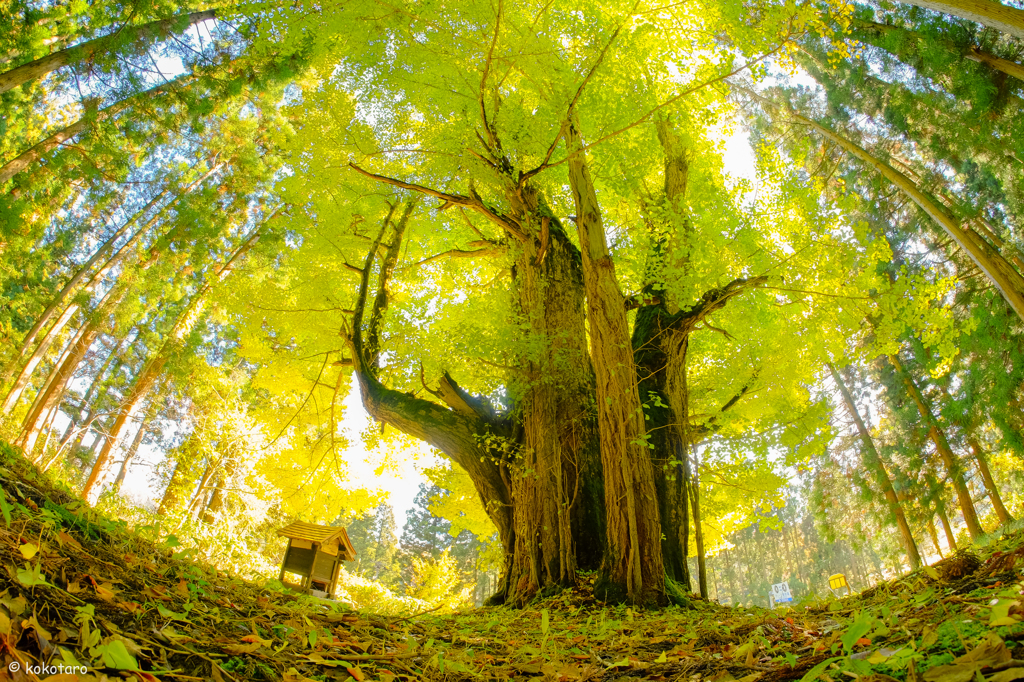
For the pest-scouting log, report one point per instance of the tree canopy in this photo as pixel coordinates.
(514, 232)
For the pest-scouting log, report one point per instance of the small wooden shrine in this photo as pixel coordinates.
(315, 553)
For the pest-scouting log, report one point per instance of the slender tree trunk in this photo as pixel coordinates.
(22, 161)
(946, 527)
(152, 370)
(26, 373)
(133, 449)
(990, 484)
(877, 467)
(950, 460)
(996, 15)
(1001, 273)
(87, 400)
(154, 30)
(935, 538)
(698, 528)
(972, 53)
(94, 413)
(634, 560)
(198, 500)
(219, 496)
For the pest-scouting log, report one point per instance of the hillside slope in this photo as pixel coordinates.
(87, 599)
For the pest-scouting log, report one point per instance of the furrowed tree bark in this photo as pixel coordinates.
(1001, 273)
(878, 470)
(154, 30)
(996, 15)
(949, 459)
(559, 434)
(633, 563)
(550, 461)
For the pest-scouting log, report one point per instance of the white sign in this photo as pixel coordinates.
(780, 593)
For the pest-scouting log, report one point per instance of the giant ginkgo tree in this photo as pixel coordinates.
(517, 232)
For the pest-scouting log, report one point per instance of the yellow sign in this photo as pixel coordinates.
(838, 580)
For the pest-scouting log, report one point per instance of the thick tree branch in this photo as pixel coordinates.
(505, 222)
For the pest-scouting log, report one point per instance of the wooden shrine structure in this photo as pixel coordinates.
(315, 553)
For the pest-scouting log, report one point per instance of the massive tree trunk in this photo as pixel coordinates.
(986, 12)
(153, 30)
(949, 459)
(877, 467)
(539, 475)
(633, 561)
(557, 485)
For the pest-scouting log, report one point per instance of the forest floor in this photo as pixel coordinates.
(80, 590)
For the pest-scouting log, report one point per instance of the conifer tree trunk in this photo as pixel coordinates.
(877, 467)
(973, 53)
(634, 561)
(172, 493)
(935, 537)
(52, 392)
(154, 30)
(26, 158)
(996, 15)
(947, 528)
(133, 449)
(153, 368)
(990, 484)
(949, 459)
(75, 421)
(1001, 273)
(13, 395)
